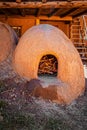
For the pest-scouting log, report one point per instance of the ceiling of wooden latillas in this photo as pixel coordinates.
(47, 8)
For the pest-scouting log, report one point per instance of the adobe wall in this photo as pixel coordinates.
(23, 22)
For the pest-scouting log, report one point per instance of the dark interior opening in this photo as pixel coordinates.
(48, 66)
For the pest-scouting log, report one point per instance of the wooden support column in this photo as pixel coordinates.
(37, 21)
(18, 1)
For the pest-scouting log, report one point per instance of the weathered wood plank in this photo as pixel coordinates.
(57, 4)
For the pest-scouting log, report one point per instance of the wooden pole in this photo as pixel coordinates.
(37, 21)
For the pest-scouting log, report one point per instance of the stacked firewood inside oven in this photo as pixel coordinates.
(48, 65)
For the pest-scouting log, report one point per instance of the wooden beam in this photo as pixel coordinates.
(68, 12)
(18, 1)
(56, 18)
(53, 12)
(38, 12)
(53, 18)
(56, 4)
(81, 13)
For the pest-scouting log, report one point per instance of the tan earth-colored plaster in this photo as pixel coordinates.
(45, 39)
(8, 40)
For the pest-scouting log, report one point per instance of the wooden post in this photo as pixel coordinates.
(37, 21)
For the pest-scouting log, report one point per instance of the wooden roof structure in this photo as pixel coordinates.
(47, 8)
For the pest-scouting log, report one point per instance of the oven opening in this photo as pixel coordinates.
(48, 66)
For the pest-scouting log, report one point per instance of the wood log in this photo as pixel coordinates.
(56, 4)
(48, 65)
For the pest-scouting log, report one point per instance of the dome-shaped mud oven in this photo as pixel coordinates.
(43, 43)
(8, 40)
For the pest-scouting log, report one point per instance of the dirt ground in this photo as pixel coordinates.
(20, 111)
